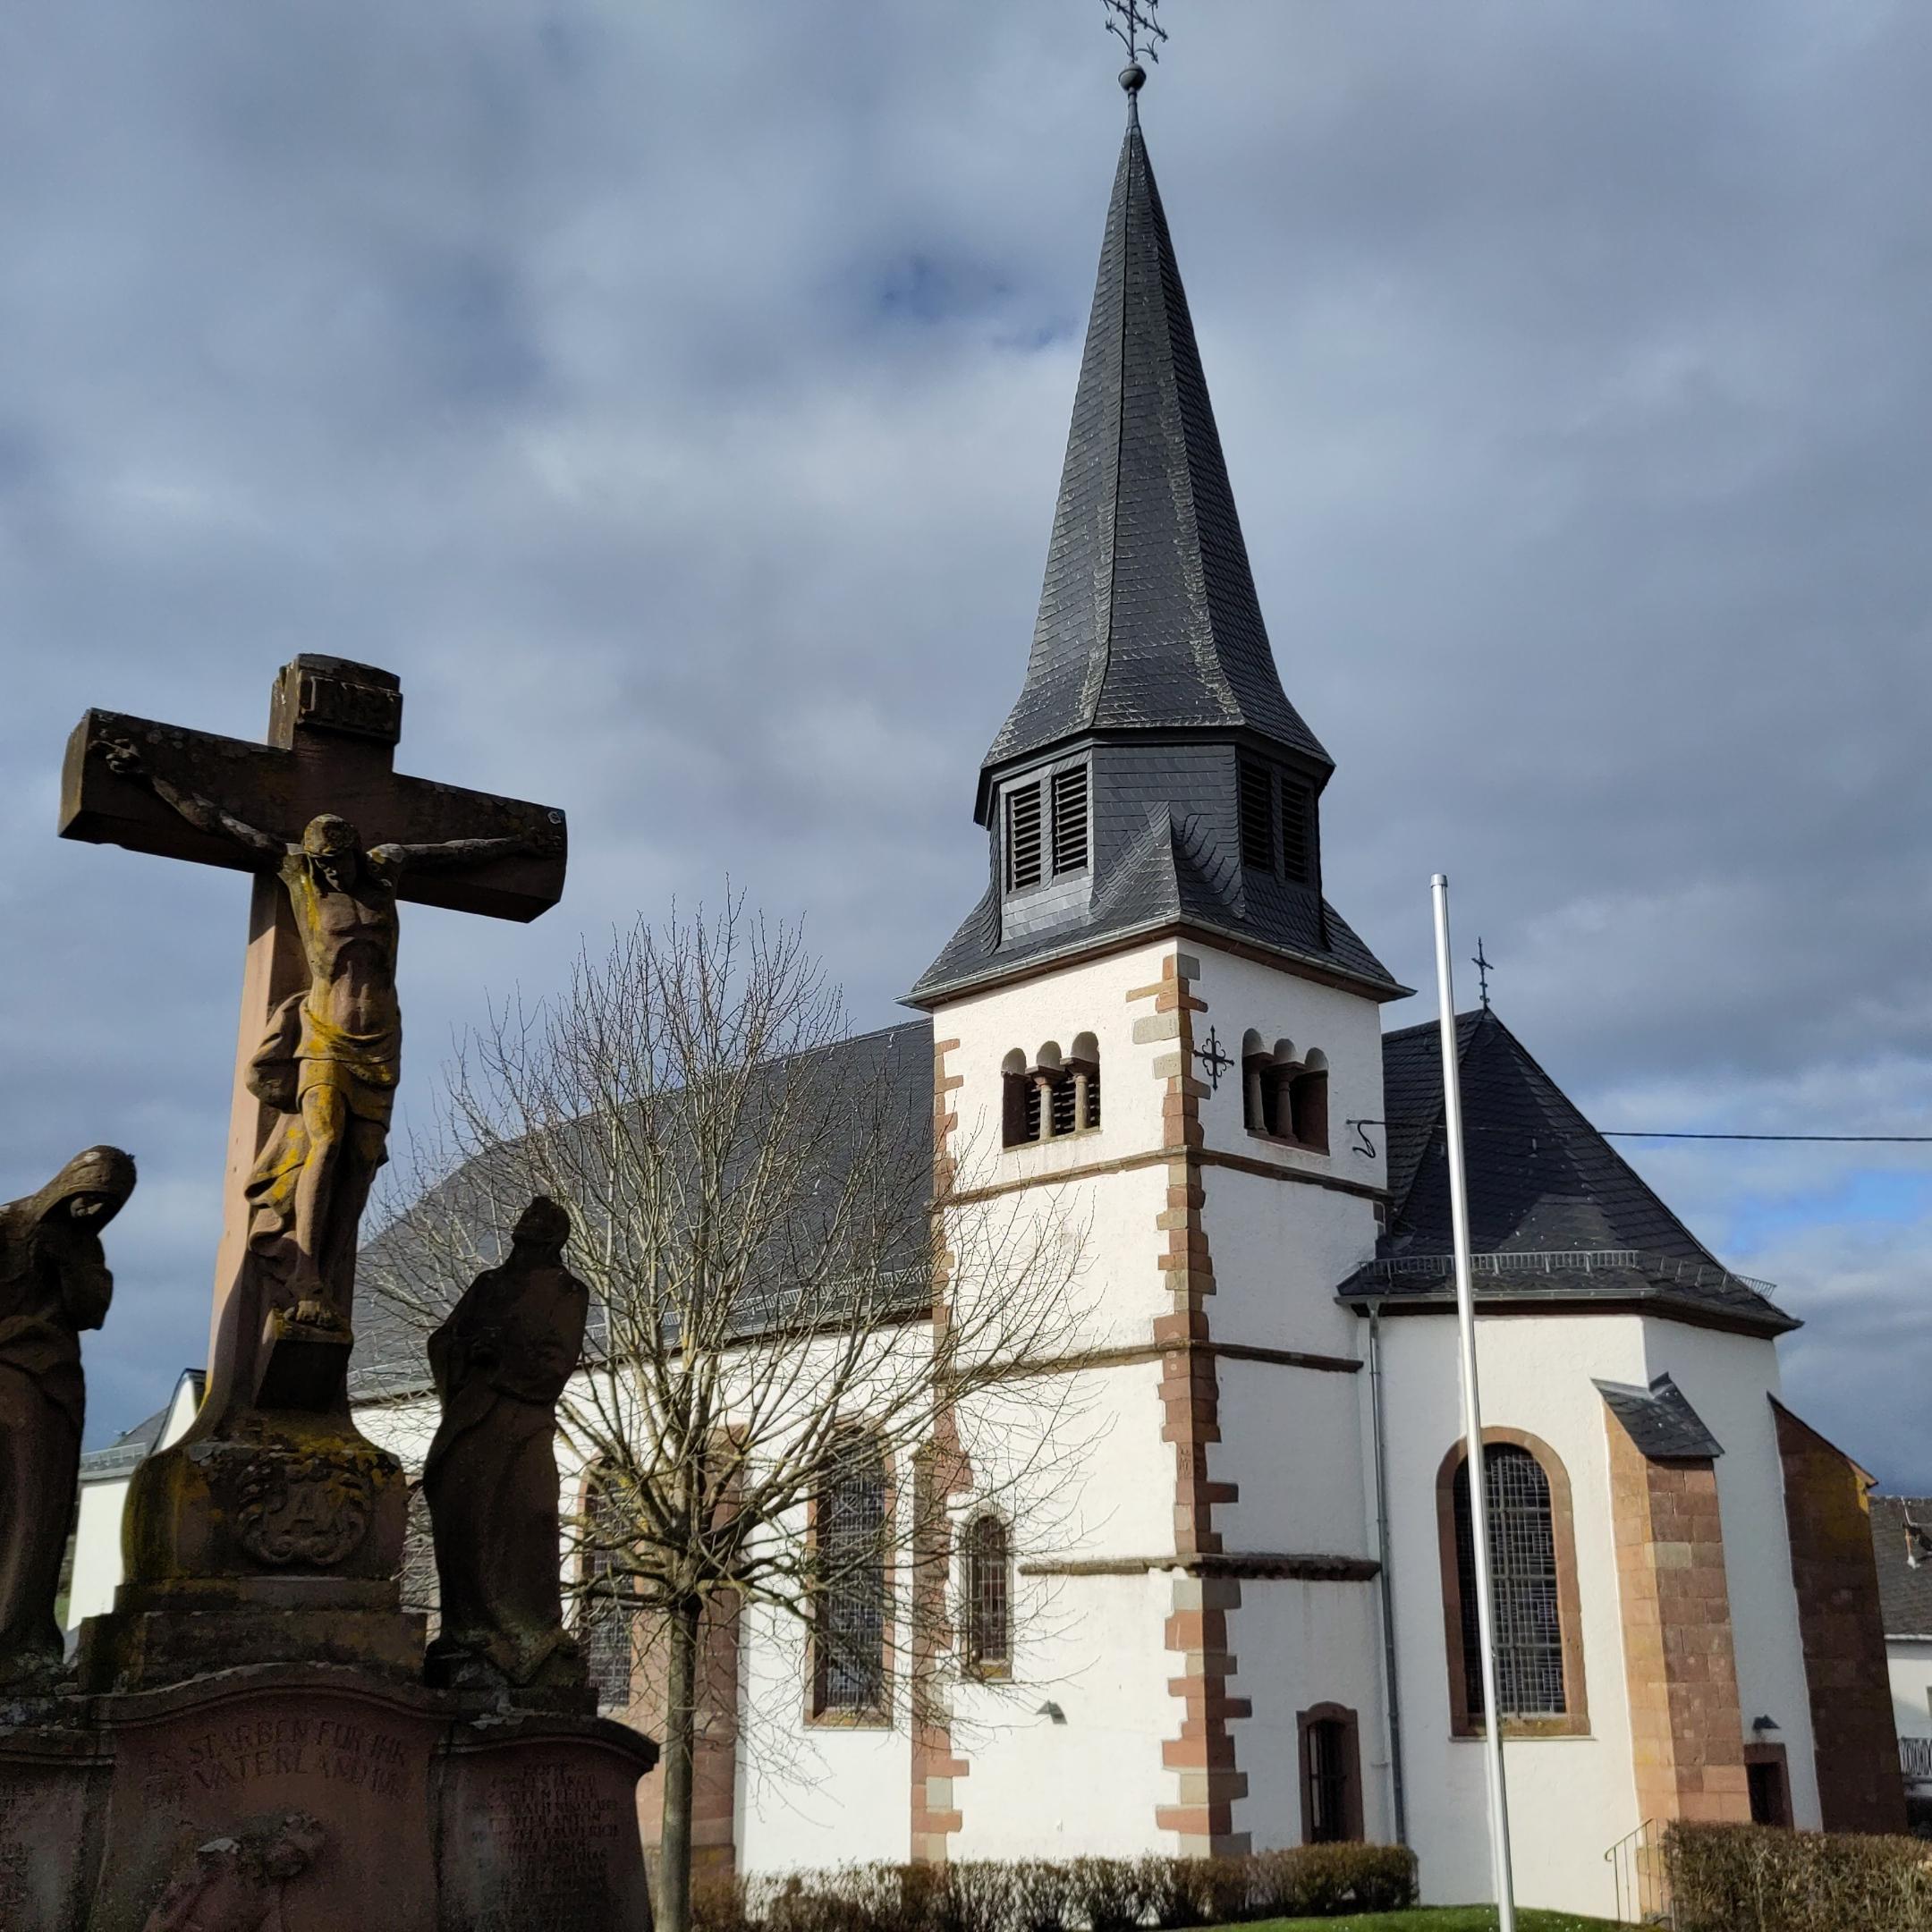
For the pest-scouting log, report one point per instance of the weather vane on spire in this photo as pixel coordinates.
(1132, 23)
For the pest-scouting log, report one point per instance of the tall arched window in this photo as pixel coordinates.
(607, 1623)
(988, 1598)
(1533, 1588)
(850, 1537)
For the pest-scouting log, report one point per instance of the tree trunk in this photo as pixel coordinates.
(680, 1749)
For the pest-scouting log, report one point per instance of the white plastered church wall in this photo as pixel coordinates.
(1570, 1798)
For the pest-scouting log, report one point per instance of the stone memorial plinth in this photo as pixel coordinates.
(315, 1797)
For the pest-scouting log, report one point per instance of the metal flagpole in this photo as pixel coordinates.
(1479, 1487)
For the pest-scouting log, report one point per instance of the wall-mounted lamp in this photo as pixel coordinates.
(1052, 1712)
(1761, 1724)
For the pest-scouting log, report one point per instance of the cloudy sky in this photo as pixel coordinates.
(673, 394)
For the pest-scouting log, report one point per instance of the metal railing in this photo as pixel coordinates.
(1915, 1759)
(1575, 1261)
(1636, 1861)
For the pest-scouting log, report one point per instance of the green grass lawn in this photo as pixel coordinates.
(1444, 1918)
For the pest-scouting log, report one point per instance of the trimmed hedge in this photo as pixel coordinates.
(1087, 1895)
(1756, 1878)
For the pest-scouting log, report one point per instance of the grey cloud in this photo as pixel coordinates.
(675, 399)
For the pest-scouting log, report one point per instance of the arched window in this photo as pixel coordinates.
(849, 1556)
(1533, 1588)
(1308, 1102)
(607, 1622)
(1284, 1095)
(1331, 1775)
(988, 1598)
(1019, 1115)
(1084, 1081)
(1057, 1096)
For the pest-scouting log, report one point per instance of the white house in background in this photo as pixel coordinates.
(104, 1476)
(1262, 1597)
(1901, 1541)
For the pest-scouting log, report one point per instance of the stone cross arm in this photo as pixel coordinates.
(280, 787)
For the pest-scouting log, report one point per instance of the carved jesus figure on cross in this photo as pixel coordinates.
(346, 1023)
(320, 1042)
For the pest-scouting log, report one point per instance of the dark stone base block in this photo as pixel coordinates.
(315, 1799)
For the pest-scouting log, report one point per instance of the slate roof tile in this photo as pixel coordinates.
(1661, 1421)
(1902, 1540)
(1563, 1212)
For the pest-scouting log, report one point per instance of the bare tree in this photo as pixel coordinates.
(812, 1336)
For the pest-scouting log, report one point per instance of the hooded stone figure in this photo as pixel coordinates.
(500, 1363)
(53, 1283)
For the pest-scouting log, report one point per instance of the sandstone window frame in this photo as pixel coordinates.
(1317, 1728)
(1573, 1720)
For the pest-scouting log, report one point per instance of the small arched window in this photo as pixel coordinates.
(849, 1556)
(1308, 1103)
(988, 1598)
(1083, 1082)
(1020, 1118)
(1331, 1775)
(1533, 1590)
(1285, 1096)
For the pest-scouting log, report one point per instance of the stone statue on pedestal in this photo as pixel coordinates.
(500, 1362)
(53, 1283)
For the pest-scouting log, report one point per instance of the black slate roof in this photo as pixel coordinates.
(1553, 1210)
(1902, 1540)
(397, 1288)
(1157, 866)
(1660, 1420)
(132, 1447)
(1149, 615)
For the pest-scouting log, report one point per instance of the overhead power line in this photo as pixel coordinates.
(1868, 1139)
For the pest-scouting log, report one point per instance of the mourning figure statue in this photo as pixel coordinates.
(53, 1283)
(500, 1362)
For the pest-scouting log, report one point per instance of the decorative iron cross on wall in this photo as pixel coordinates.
(334, 836)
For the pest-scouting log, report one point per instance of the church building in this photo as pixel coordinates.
(1263, 1632)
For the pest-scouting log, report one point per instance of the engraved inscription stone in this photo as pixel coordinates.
(546, 1835)
(221, 1762)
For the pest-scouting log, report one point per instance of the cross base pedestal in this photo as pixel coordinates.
(277, 1540)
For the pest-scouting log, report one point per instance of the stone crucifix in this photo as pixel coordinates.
(334, 838)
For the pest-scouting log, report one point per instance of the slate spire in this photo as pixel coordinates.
(1153, 776)
(1148, 618)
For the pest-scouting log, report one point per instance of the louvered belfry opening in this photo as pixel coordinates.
(1257, 815)
(1297, 827)
(1048, 827)
(1069, 820)
(1023, 844)
(1524, 1586)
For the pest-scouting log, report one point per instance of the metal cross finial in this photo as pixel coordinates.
(1211, 1057)
(1132, 23)
(1482, 974)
